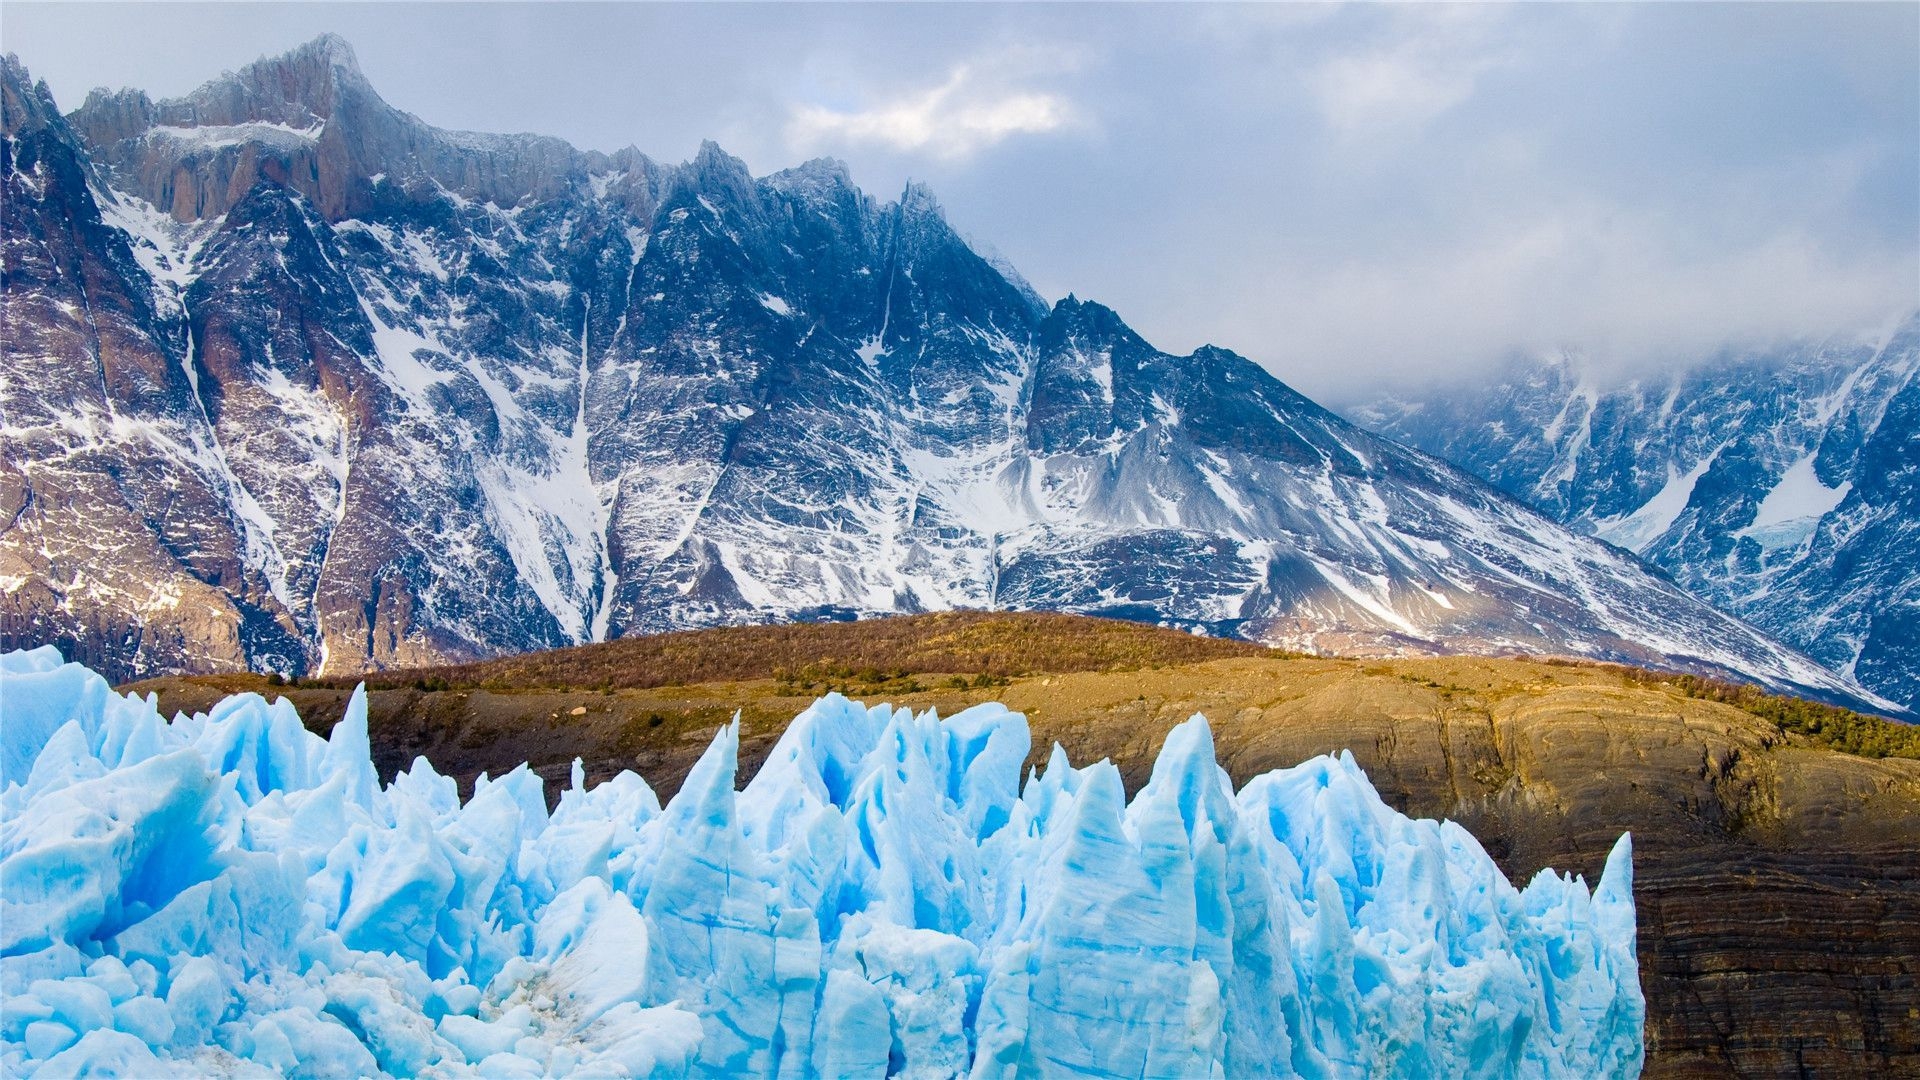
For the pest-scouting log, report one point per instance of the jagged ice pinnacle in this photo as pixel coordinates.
(228, 893)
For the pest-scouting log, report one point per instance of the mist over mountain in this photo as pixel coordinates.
(296, 381)
(1783, 485)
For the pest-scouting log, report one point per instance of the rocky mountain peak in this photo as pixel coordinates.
(310, 82)
(718, 176)
(333, 49)
(25, 105)
(917, 199)
(108, 116)
(1074, 317)
(310, 121)
(821, 179)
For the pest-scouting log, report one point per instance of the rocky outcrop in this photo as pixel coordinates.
(307, 121)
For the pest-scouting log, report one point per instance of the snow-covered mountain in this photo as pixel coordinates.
(1783, 485)
(294, 380)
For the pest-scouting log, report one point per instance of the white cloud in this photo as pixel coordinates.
(967, 113)
(1425, 62)
(1402, 85)
(1616, 287)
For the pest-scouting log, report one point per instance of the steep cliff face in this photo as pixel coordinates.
(1778, 485)
(112, 548)
(445, 396)
(307, 121)
(1853, 598)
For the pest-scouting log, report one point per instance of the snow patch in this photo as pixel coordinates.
(1638, 530)
(396, 348)
(216, 136)
(1794, 507)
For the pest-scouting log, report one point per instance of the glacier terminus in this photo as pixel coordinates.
(228, 893)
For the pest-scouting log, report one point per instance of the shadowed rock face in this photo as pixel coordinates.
(1778, 883)
(404, 396)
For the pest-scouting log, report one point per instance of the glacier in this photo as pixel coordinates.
(228, 893)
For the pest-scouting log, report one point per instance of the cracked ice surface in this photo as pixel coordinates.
(227, 893)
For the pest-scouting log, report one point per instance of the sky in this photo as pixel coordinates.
(1361, 197)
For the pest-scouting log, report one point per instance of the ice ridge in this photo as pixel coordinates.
(227, 893)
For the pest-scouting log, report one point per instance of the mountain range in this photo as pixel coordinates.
(295, 381)
(1782, 484)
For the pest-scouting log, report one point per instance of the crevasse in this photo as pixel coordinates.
(230, 894)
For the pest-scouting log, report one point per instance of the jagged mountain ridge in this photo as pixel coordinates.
(340, 406)
(1782, 484)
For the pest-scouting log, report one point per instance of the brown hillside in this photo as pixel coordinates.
(977, 642)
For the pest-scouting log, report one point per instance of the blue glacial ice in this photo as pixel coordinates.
(229, 894)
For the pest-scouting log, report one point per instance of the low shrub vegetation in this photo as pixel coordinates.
(1830, 726)
(865, 655)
